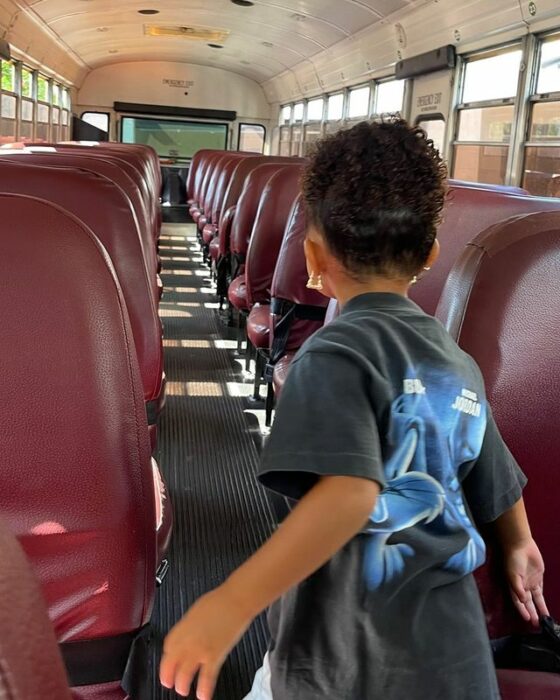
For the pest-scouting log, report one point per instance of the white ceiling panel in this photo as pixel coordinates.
(264, 40)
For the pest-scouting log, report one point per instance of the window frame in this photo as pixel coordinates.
(453, 143)
(341, 93)
(360, 117)
(533, 99)
(240, 129)
(180, 121)
(97, 111)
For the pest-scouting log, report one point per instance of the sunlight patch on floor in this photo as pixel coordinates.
(174, 343)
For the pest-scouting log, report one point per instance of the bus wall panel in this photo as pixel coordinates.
(373, 52)
(174, 85)
(33, 42)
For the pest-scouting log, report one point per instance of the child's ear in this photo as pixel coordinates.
(434, 255)
(312, 256)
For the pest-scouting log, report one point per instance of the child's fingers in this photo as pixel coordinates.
(167, 671)
(521, 609)
(540, 602)
(207, 682)
(184, 677)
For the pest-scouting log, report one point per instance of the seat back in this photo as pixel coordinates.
(211, 163)
(101, 205)
(276, 203)
(468, 212)
(77, 481)
(30, 664)
(202, 169)
(501, 305)
(248, 206)
(194, 173)
(289, 283)
(242, 172)
(208, 202)
(136, 167)
(103, 166)
(227, 169)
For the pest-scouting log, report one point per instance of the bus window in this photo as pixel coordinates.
(485, 118)
(285, 115)
(315, 110)
(335, 112)
(43, 109)
(297, 134)
(285, 138)
(335, 107)
(542, 150)
(389, 97)
(435, 130)
(8, 104)
(298, 112)
(100, 120)
(251, 138)
(175, 139)
(311, 134)
(358, 102)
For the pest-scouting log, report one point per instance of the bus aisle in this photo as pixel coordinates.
(207, 455)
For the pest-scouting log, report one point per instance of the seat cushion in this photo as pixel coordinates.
(208, 233)
(528, 685)
(281, 372)
(258, 325)
(215, 249)
(201, 222)
(237, 293)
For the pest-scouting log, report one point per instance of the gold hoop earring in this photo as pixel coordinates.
(315, 282)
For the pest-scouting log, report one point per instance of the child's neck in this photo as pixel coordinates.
(348, 288)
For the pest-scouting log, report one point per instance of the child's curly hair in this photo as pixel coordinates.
(376, 192)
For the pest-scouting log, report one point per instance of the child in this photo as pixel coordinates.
(384, 437)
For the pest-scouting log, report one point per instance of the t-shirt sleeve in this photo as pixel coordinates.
(496, 482)
(325, 425)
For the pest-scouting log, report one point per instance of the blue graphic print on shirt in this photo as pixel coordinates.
(436, 425)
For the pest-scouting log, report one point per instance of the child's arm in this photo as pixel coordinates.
(325, 519)
(523, 562)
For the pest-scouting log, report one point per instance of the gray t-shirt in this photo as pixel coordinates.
(384, 393)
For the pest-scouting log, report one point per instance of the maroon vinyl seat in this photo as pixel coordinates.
(264, 245)
(528, 685)
(193, 178)
(256, 249)
(104, 208)
(31, 667)
(296, 312)
(227, 168)
(214, 249)
(199, 176)
(469, 211)
(230, 186)
(210, 165)
(240, 190)
(258, 326)
(281, 369)
(247, 210)
(133, 159)
(501, 304)
(207, 203)
(77, 477)
(237, 294)
(111, 169)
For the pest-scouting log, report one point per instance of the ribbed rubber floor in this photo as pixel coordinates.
(207, 456)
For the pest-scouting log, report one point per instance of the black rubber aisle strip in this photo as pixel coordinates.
(208, 458)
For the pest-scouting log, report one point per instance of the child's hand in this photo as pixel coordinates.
(525, 568)
(200, 642)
